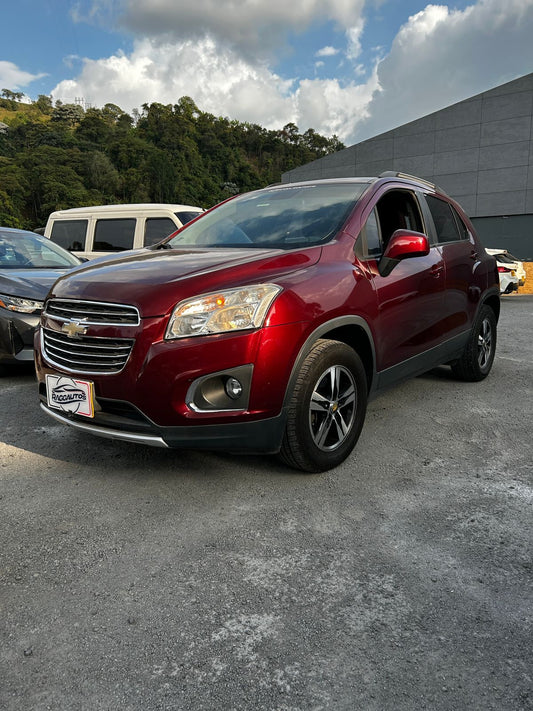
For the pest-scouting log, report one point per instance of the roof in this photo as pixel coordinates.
(388, 175)
(128, 207)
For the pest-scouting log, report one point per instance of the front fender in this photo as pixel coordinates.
(343, 328)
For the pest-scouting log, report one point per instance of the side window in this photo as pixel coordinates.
(157, 228)
(398, 210)
(114, 235)
(186, 216)
(69, 234)
(443, 217)
(371, 236)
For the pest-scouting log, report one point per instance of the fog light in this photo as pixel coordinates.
(233, 388)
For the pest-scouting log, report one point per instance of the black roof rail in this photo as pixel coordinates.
(407, 176)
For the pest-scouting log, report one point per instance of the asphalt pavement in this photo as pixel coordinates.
(139, 579)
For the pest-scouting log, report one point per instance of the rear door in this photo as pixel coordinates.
(460, 257)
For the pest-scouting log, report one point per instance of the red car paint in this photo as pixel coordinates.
(403, 310)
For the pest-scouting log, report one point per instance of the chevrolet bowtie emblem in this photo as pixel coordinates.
(74, 329)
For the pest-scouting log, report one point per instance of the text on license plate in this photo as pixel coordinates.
(70, 395)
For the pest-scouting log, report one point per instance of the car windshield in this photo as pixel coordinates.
(23, 250)
(284, 217)
(504, 258)
(510, 257)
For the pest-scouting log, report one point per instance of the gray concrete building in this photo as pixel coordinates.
(480, 151)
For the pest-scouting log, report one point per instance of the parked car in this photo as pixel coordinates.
(508, 280)
(106, 229)
(29, 265)
(510, 267)
(265, 324)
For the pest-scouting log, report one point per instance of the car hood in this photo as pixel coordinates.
(155, 280)
(29, 283)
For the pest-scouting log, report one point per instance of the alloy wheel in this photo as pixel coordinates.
(332, 408)
(484, 343)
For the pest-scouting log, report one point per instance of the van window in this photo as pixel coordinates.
(186, 216)
(69, 234)
(114, 235)
(157, 228)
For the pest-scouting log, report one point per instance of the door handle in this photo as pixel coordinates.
(436, 270)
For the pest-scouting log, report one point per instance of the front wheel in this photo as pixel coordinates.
(477, 358)
(327, 408)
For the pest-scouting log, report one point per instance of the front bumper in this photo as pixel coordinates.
(16, 336)
(512, 286)
(260, 436)
(167, 394)
(168, 382)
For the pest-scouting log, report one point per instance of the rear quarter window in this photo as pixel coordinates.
(186, 216)
(157, 228)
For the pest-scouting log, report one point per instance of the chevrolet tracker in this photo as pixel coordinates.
(265, 324)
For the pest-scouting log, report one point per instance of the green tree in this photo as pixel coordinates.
(93, 128)
(44, 104)
(67, 114)
(53, 181)
(12, 95)
(9, 216)
(100, 174)
(62, 156)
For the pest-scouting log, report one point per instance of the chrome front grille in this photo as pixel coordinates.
(93, 312)
(86, 354)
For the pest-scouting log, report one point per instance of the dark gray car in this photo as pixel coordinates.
(29, 265)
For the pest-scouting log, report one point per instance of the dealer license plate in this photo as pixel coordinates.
(70, 395)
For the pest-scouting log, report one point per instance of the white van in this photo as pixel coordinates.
(106, 229)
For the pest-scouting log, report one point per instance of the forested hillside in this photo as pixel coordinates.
(60, 156)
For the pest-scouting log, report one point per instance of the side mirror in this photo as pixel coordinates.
(403, 244)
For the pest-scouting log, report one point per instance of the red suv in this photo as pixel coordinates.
(265, 324)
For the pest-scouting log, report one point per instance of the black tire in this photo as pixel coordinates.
(477, 358)
(327, 408)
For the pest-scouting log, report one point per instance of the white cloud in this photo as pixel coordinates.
(13, 78)
(438, 57)
(353, 35)
(441, 56)
(330, 108)
(327, 52)
(220, 82)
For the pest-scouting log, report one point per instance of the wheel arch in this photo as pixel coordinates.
(354, 331)
(493, 300)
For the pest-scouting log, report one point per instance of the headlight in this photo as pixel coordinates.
(23, 306)
(222, 311)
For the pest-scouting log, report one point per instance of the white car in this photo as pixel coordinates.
(508, 268)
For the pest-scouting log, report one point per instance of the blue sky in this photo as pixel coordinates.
(354, 68)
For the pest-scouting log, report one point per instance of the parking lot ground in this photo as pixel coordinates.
(144, 579)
